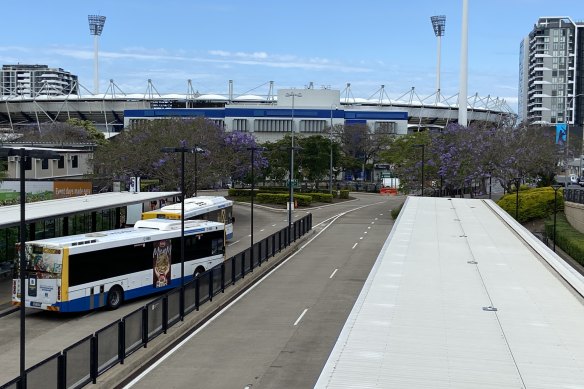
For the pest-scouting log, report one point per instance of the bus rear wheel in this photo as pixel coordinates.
(198, 271)
(115, 297)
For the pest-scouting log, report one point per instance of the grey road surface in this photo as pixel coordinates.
(48, 332)
(280, 333)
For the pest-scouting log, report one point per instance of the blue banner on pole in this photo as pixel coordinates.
(561, 133)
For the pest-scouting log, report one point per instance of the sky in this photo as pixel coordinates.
(366, 43)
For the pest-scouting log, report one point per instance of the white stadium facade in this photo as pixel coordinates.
(267, 116)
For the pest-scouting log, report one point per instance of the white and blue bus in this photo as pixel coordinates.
(212, 208)
(102, 269)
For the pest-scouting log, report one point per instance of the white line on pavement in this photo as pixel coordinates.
(300, 317)
(355, 245)
(332, 275)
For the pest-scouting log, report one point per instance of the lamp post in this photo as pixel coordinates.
(422, 184)
(331, 159)
(555, 187)
(291, 175)
(182, 150)
(567, 120)
(517, 184)
(253, 150)
(23, 154)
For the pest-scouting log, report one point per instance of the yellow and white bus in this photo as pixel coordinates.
(212, 208)
(102, 269)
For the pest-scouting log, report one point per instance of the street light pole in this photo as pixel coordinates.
(23, 153)
(253, 149)
(423, 157)
(182, 150)
(555, 187)
(291, 175)
(331, 159)
(517, 184)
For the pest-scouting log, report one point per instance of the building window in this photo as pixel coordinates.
(44, 164)
(240, 125)
(61, 163)
(272, 125)
(74, 161)
(384, 127)
(312, 125)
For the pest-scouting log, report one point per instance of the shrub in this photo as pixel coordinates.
(535, 203)
(282, 198)
(344, 194)
(320, 197)
(567, 237)
(395, 212)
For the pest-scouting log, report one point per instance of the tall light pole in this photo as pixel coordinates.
(23, 154)
(567, 120)
(517, 185)
(331, 159)
(96, 23)
(253, 150)
(555, 187)
(439, 26)
(463, 80)
(291, 199)
(182, 150)
(422, 146)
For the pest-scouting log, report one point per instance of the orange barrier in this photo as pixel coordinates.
(388, 191)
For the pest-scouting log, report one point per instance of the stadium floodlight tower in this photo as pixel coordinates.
(463, 80)
(439, 26)
(96, 23)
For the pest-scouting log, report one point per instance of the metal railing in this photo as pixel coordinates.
(82, 362)
(574, 195)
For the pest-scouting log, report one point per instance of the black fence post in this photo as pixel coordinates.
(197, 293)
(243, 264)
(165, 313)
(61, 372)
(252, 253)
(210, 273)
(93, 359)
(145, 326)
(181, 302)
(233, 269)
(222, 277)
(273, 245)
(122, 341)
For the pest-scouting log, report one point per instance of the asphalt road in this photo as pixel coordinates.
(49, 332)
(280, 333)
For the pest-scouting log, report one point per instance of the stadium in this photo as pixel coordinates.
(267, 115)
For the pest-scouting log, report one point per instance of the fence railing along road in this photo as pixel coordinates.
(82, 362)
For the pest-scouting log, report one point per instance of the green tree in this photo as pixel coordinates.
(314, 157)
(359, 144)
(92, 133)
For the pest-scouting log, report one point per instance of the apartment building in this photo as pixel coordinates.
(551, 73)
(36, 80)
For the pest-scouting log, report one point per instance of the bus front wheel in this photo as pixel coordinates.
(115, 297)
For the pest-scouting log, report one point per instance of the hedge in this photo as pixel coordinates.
(344, 194)
(320, 197)
(570, 240)
(536, 203)
(282, 198)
